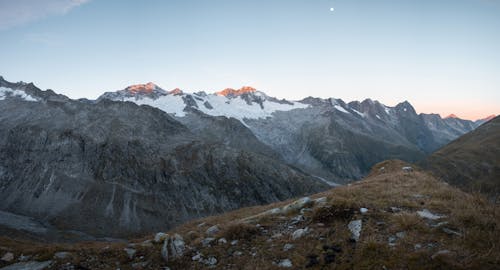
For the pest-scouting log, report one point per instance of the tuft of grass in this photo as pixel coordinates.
(240, 231)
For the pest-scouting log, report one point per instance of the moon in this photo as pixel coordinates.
(332, 9)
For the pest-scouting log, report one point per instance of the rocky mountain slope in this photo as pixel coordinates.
(324, 137)
(112, 169)
(471, 161)
(417, 223)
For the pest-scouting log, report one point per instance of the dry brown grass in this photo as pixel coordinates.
(471, 215)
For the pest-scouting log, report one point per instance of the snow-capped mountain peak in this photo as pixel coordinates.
(230, 92)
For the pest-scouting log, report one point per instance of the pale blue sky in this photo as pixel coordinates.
(441, 55)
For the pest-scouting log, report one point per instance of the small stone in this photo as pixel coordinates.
(212, 230)
(8, 257)
(201, 224)
(147, 243)
(130, 252)
(288, 247)
(407, 169)
(277, 235)
(177, 246)
(451, 232)
(299, 233)
(164, 249)
(395, 209)
(238, 253)
(304, 210)
(210, 261)
(298, 204)
(24, 258)
(321, 201)
(234, 242)
(429, 215)
(33, 265)
(441, 253)
(207, 241)
(273, 211)
(222, 241)
(140, 265)
(417, 246)
(355, 228)
(400, 234)
(363, 210)
(160, 237)
(196, 257)
(297, 219)
(62, 255)
(285, 263)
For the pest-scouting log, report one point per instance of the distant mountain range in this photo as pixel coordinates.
(328, 138)
(109, 167)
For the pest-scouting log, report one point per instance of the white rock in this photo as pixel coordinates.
(210, 261)
(238, 253)
(273, 211)
(222, 241)
(164, 249)
(441, 253)
(207, 241)
(212, 230)
(321, 201)
(287, 247)
(62, 255)
(277, 235)
(355, 228)
(234, 242)
(160, 237)
(298, 204)
(196, 257)
(299, 233)
(428, 215)
(28, 266)
(177, 246)
(407, 169)
(7, 257)
(285, 263)
(363, 210)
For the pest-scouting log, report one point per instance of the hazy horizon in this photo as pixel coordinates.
(441, 56)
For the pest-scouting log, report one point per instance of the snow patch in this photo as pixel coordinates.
(238, 108)
(5, 92)
(172, 104)
(340, 108)
(359, 113)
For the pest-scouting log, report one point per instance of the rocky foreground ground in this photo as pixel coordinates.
(399, 217)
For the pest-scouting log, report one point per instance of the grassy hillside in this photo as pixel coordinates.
(409, 220)
(472, 161)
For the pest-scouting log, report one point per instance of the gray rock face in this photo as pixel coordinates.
(114, 168)
(335, 141)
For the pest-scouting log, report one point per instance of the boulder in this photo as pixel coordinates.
(355, 228)
(212, 230)
(177, 246)
(8, 257)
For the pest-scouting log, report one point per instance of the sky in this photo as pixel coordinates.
(443, 56)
